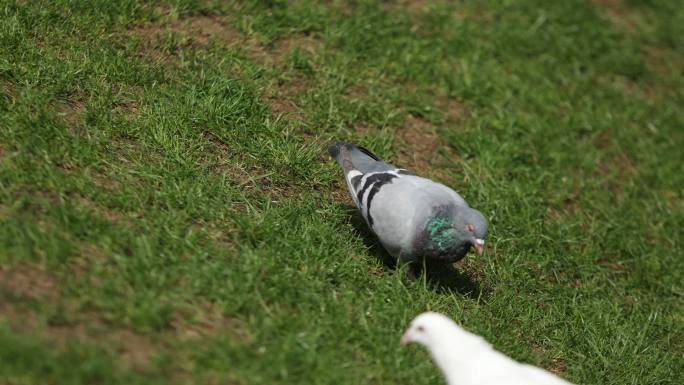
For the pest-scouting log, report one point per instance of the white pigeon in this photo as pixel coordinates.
(467, 359)
(413, 217)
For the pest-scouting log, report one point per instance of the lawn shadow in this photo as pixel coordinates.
(442, 277)
(448, 278)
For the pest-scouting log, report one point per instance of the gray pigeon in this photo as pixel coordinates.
(413, 217)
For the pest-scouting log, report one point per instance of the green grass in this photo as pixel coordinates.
(168, 213)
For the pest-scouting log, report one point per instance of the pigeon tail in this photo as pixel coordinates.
(352, 157)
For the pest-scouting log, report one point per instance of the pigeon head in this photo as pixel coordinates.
(451, 232)
(471, 227)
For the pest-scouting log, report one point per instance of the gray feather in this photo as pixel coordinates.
(413, 217)
(352, 157)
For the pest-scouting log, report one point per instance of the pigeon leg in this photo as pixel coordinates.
(414, 270)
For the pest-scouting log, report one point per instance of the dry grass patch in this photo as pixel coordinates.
(246, 173)
(674, 200)
(204, 320)
(630, 88)
(471, 268)
(8, 89)
(412, 6)
(102, 180)
(97, 208)
(285, 46)
(620, 14)
(283, 96)
(134, 350)
(158, 44)
(615, 172)
(25, 287)
(20, 287)
(663, 61)
(72, 111)
(191, 32)
(419, 146)
(29, 281)
(417, 142)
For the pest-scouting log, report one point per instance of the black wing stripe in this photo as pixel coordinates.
(370, 180)
(368, 152)
(385, 178)
(359, 193)
(356, 180)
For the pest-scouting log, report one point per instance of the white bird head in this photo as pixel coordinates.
(451, 346)
(429, 329)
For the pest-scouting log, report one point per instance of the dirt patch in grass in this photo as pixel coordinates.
(99, 209)
(613, 264)
(558, 212)
(134, 350)
(8, 89)
(283, 96)
(245, 172)
(619, 14)
(29, 281)
(284, 47)
(630, 88)
(412, 6)
(417, 142)
(662, 61)
(421, 149)
(356, 91)
(225, 161)
(556, 365)
(674, 200)
(472, 268)
(164, 42)
(72, 111)
(454, 110)
(26, 287)
(285, 91)
(102, 180)
(205, 320)
(161, 42)
(615, 172)
(127, 99)
(20, 287)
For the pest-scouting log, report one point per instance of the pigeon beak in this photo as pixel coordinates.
(406, 338)
(479, 245)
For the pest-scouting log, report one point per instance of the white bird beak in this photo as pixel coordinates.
(406, 338)
(479, 245)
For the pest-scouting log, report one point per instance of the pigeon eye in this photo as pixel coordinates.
(470, 227)
(420, 329)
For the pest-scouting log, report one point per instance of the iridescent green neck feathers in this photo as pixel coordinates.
(440, 234)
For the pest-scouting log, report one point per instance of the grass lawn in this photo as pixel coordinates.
(169, 214)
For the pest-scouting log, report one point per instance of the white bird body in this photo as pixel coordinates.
(467, 359)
